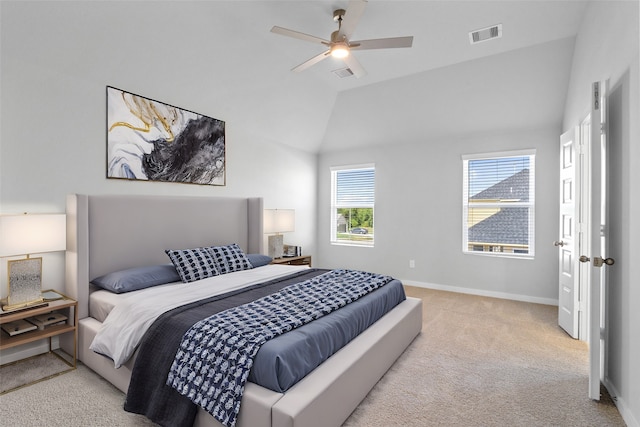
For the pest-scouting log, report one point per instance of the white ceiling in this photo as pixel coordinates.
(440, 30)
(442, 87)
(219, 58)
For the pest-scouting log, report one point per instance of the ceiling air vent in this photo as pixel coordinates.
(343, 72)
(485, 34)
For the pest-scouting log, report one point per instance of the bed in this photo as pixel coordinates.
(108, 233)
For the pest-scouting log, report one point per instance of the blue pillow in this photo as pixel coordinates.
(193, 264)
(229, 258)
(258, 260)
(136, 278)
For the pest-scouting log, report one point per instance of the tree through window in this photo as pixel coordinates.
(352, 204)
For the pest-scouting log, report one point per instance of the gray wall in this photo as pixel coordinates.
(58, 57)
(607, 48)
(418, 216)
(420, 127)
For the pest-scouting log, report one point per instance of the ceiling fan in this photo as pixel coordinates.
(340, 45)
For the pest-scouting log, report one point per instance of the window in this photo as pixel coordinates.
(352, 202)
(498, 204)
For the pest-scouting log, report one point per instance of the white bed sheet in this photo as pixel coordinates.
(132, 313)
(101, 302)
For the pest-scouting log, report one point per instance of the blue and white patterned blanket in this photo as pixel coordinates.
(216, 354)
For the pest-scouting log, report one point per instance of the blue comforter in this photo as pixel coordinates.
(279, 364)
(285, 360)
(216, 354)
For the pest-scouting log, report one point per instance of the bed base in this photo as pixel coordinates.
(325, 397)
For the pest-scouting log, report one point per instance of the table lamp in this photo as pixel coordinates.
(278, 221)
(24, 235)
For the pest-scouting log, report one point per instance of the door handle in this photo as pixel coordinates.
(559, 243)
(597, 261)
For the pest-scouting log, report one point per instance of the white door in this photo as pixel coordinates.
(569, 236)
(597, 250)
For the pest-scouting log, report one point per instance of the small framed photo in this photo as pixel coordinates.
(25, 281)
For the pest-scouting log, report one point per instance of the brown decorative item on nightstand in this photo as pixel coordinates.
(296, 260)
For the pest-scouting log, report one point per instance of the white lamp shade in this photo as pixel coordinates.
(279, 220)
(32, 234)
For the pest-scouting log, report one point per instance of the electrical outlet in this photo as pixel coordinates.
(412, 263)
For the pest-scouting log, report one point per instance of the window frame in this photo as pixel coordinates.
(333, 231)
(530, 204)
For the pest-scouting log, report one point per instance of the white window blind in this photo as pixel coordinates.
(499, 204)
(352, 204)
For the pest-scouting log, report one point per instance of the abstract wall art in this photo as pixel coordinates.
(152, 141)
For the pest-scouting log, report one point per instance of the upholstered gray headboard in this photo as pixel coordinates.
(107, 233)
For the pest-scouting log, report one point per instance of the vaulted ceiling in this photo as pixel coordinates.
(443, 86)
(440, 29)
(219, 58)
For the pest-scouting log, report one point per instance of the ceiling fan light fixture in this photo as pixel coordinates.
(340, 50)
(339, 45)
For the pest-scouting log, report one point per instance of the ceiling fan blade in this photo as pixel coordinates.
(299, 35)
(355, 66)
(389, 43)
(309, 62)
(352, 16)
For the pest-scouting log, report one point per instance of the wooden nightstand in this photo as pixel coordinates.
(64, 306)
(294, 260)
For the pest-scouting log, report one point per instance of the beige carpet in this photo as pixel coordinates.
(26, 371)
(486, 362)
(79, 398)
(478, 362)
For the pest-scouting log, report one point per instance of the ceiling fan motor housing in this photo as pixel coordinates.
(335, 37)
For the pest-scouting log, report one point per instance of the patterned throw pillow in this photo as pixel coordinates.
(193, 264)
(229, 258)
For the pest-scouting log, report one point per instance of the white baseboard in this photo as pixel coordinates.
(481, 292)
(622, 406)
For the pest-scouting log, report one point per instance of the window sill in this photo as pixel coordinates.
(500, 255)
(353, 244)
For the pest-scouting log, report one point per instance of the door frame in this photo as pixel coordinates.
(598, 243)
(591, 231)
(584, 228)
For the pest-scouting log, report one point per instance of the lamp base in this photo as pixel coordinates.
(276, 246)
(25, 283)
